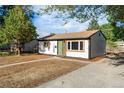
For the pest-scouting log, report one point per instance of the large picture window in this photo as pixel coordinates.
(75, 45)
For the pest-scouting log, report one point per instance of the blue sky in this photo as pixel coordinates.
(47, 24)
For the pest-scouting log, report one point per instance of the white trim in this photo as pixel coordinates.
(78, 44)
(70, 45)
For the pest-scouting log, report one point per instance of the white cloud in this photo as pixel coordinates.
(47, 23)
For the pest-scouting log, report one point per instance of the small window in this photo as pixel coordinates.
(46, 44)
(81, 45)
(68, 45)
(74, 45)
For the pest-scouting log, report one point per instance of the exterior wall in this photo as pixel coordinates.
(97, 45)
(52, 50)
(31, 46)
(81, 54)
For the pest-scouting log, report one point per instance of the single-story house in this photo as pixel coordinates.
(86, 44)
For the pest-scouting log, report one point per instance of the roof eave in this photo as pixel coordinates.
(64, 39)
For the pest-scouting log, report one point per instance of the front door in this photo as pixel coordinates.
(61, 48)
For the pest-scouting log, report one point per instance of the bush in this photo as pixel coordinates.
(4, 53)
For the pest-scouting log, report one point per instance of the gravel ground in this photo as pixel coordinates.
(95, 75)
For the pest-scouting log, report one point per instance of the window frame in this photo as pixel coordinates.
(78, 50)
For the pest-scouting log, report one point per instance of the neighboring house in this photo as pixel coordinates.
(31, 46)
(88, 44)
(4, 47)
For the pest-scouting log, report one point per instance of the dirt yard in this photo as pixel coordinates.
(33, 74)
(16, 59)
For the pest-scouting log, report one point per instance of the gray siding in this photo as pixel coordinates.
(98, 45)
(31, 46)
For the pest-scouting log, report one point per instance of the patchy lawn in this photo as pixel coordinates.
(34, 74)
(16, 59)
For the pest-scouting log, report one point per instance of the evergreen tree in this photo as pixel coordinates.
(107, 30)
(18, 28)
(93, 25)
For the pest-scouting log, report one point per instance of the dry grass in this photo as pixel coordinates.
(16, 59)
(34, 74)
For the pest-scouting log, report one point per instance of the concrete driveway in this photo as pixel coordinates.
(95, 75)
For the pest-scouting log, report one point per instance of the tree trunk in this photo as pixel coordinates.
(18, 51)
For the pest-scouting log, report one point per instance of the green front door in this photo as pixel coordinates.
(61, 48)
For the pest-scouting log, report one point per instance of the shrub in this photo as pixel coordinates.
(4, 53)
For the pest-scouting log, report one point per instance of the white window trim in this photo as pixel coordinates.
(70, 45)
(78, 45)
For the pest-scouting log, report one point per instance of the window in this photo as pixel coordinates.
(74, 45)
(81, 45)
(68, 45)
(46, 44)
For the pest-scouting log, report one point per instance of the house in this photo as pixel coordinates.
(88, 44)
(31, 46)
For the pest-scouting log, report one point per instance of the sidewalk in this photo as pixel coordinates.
(26, 62)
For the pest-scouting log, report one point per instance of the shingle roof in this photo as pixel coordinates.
(73, 35)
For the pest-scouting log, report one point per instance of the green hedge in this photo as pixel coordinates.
(4, 53)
